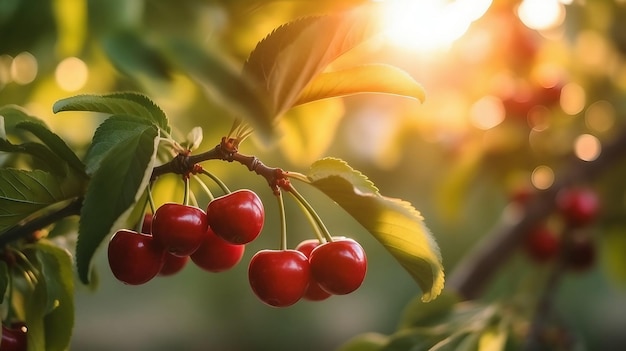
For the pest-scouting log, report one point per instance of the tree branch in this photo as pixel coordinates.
(479, 265)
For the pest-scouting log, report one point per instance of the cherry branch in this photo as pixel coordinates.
(477, 268)
(226, 150)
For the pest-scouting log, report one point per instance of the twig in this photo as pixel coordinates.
(479, 265)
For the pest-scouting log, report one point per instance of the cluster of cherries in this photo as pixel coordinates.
(215, 240)
(13, 337)
(578, 208)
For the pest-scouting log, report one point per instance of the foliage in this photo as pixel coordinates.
(510, 109)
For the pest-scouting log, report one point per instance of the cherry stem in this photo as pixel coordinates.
(186, 192)
(283, 221)
(150, 199)
(204, 187)
(309, 209)
(318, 233)
(217, 181)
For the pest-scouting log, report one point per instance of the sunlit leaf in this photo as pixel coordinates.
(117, 184)
(493, 338)
(371, 78)
(56, 145)
(289, 58)
(23, 193)
(394, 223)
(56, 268)
(131, 54)
(302, 141)
(224, 82)
(124, 103)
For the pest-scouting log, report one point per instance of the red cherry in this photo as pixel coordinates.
(581, 253)
(339, 266)
(542, 244)
(237, 217)
(173, 264)
(179, 228)
(134, 257)
(579, 206)
(279, 278)
(13, 338)
(314, 292)
(216, 254)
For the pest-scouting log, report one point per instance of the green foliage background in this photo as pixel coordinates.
(460, 177)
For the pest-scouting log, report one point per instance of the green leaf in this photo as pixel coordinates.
(56, 268)
(13, 115)
(131, 54)
(290, 57)
(365, 342)
(56, 145)
(237, 93)
(371, 78)
(394, 223)
(122, 177)
(613, 246)
(47, 159)
(4, 280)
(418, 313)
(113, 131)
(124, 103)
(23, 193)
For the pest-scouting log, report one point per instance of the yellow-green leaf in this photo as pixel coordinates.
(371, 78)
(395, 223)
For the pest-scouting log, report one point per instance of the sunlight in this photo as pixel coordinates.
(429, 24)
(541, 14)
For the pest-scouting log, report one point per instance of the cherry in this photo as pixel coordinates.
(314, 292)
(134, 258)
(13, 338)
(542, 244)
(216, 254)
(339, 266)
(237, 217)
(581, 253)
(179, 228)
(578, 206)
(279, 278)
(173, 264)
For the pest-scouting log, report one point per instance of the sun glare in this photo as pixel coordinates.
(428, 25)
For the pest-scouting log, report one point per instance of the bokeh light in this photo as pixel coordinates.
(24, 68)
(487, 112)
(587, 147)
(572, 99)
(600, 116)
(542, 177)
(71, 74)
(541, 14)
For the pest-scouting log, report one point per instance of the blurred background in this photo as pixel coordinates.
(514, 87)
